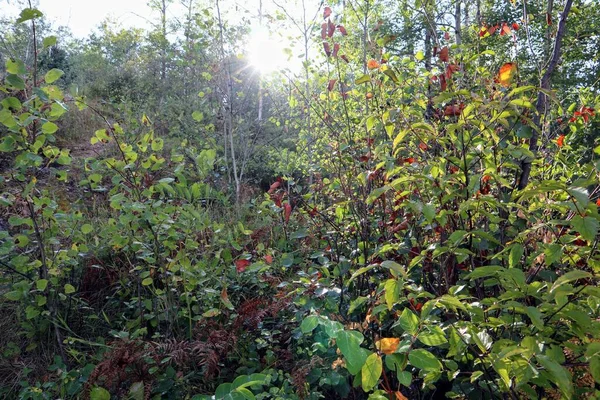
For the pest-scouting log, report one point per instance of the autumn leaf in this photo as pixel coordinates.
(493, 29)
(515, 26)
(598, 202)
(372, 64)
(400, 396)
(326, 12)
(274, 187)
(443, 83)
(548, 19)
(331, 84)
(483, 31)
(443, 54)
(241, 265)
(507, 74)
(450, 70)
(560, 142)
(505, 30)
(369, 96)
(327, 49)
(336, 48)
(323, 30)
(447, 36)
(345, 58)
(287, 211)
(388, 345)
(342, 30)
(268, 259)
(330, 28)
(423, 146)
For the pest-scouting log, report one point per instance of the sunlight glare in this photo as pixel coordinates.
(266, 54)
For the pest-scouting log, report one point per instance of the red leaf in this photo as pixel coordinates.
(241, 265)
(336, 48)
(443, 55)
(331, 84)
(447, 36)
(423, 146)
(342, 30)
(327, 49)
(483, 31)
(548, 19)
(268, 259)
(345, 58)
(450, 70)
(323, 30)
(326, 12)
(515, 26)
(274, 186)
(287, 211)
(330, 28)
(505, 30)
(492, 30)
(443, 83)
(598, 202)
(560, 142)
(453, 110)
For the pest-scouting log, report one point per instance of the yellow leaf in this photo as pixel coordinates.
(507, 74)
(388, 345)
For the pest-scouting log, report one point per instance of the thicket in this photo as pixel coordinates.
(413, 215)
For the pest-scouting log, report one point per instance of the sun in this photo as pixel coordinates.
(266, 53)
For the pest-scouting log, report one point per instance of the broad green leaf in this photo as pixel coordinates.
(309, 324)
(15, 81)
(536, 317)
(392, 292)
(147, 281)
(53, 75)
(514, 257)
(26, 15)
(371, 371)
(362, 79)
(595, 368)
(49, 128)
(569, 277)
(432, 336)
(409, 321)
(349, 344)
(15, 67)
(86, 228)
(425, 360)
(586, 226)
(14, 295)
(69, 288)
(41, 284)
(49, 41)
(560, 375)
(99, 393)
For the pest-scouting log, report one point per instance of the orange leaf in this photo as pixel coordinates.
(507, 74)
(268, 259)
(372, 64)
(369, 95)
(423, 146)
(287, 211)
(560, 142)
(598, 202)
(515, 26)
(274, 186)
(443, 54)
(505, 30)
(400, 396)
(388, 345)
(241, 265)
(493, 29)
(326, 12)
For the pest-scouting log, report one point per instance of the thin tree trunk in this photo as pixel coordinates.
(542, 101)
(457, 18)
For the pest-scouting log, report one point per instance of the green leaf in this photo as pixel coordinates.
(309, 324)
(586, 226)
(371, 372)
(198, 116)
(362, 79)
(569, 277)
(69, 288)
(392, 292)
(560, 375)
(423, 359)
(99, 393)
(49, 128)
(409, 321)
(29, 13)
(595, 368)
(15, 81)
(49, 41)
(41, 284)
(580, 194)
(514, 257)
(53, 75)
(147, 282)
(349, 344)
(14, 295)
(157, 144)
(432, 336)
(394, 266)
(15, 67)
(86, 228)
(536, 317)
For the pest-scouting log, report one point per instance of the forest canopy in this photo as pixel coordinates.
(360, 199)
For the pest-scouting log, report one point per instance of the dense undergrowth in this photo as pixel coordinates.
(406, 260)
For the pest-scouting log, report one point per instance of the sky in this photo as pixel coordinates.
(83, 16)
